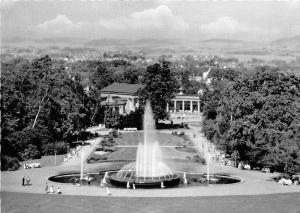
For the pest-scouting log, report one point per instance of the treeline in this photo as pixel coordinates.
(44, 109)
(255, 117)
(46, 106)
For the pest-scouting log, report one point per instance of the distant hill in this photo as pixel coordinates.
(222, 41)
(107, 42)
(127, 42)
(287, 42)
(15, 39)
(228, 41)
(156, 42)
(60, 40)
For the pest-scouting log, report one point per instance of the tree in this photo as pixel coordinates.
(112, 118)
(257, 115)
(160, 87)
(41, 104)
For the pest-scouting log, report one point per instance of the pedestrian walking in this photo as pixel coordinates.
(28, 181)
(58, 191)
(51, 189)
(23, 181)
(46, 187)
(108, 190)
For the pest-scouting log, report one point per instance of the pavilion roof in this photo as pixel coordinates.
(122, 88)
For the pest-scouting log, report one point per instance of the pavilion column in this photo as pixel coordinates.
(167, 107)
(183, 106)
(175, 106)
(191, 106)
(198, 106)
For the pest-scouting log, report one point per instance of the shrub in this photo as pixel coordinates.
(96, 159)
(31, 153)
(112, 118)
(107, 142)
(133, 119)
(60, 147)
(114, 133)
(9, 163)
(198, 159)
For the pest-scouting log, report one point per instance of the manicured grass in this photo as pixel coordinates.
(187, 149)
(133, 138)
(41, 203)
(46, 160)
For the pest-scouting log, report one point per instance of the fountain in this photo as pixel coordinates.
(81, 167)
(149, 168)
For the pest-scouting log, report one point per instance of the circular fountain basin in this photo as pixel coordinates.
(145, 182)
(193, 179)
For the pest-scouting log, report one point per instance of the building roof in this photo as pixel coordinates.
(122, 88)
(186, 97)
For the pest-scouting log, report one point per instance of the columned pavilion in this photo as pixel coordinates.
(124, 98)
(184, 103)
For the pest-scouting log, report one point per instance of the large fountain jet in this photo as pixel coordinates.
(149, 168)
(149, 161)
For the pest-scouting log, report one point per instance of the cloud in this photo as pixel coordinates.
(60, 24)
(225, 25)
(160, 20)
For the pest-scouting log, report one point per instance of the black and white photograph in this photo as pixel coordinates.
(150, 106)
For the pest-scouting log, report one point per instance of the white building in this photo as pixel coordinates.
(124, 97)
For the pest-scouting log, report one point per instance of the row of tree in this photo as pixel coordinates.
(45, 107)
(255, 117)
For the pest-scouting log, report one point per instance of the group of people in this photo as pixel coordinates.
(51, 189)
(73, 152)
(26, 181)
(242, 166)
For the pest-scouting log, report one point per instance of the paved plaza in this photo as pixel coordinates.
(257, 191)
(253, 182)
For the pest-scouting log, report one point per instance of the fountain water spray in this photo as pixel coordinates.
(82, 161)
(149, 168)
(207, 166)
(202, 146)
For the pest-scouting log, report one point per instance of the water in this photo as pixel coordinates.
(188, 179)
(149, 161)
(202, 146)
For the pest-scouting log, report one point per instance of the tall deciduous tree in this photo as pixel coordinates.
(160, 87)
(257, 115)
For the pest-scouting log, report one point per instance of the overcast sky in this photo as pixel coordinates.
(196, 20)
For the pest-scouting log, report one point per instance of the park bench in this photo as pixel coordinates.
(32, 165)
(130, 129)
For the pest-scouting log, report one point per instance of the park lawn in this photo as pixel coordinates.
(133, 138)
(42, 203)
(48, 160)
